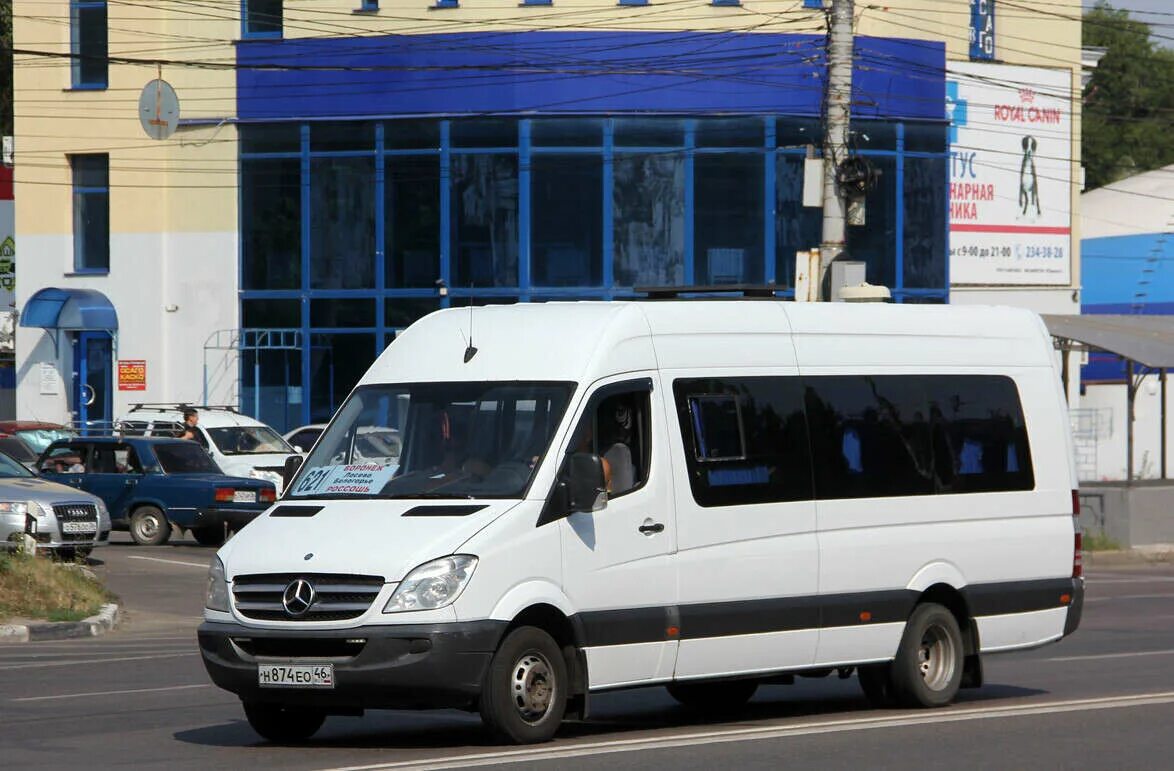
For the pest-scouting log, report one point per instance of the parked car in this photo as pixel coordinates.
(61, 519)
(149, 484)
(240, 445)
(35, 434)
(371, 443)
(303, 438)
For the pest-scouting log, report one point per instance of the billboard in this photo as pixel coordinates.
(1010, 170)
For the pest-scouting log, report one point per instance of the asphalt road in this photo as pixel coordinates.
(139, 696)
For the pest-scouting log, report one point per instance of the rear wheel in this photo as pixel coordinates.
(524, 694)
(928, 668)
(208, 536)
(149, 526)
(282, 724)
(714, 697)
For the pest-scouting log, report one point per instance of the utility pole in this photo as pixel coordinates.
(837, 100)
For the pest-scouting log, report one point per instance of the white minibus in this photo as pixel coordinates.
(700, 494)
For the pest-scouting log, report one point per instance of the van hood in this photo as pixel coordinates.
(369, 537)
(241, 465)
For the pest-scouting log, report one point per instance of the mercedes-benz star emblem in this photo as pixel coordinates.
(298, 596)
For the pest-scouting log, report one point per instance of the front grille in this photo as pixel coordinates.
(337, 597)
(76, 512)
(300, 648)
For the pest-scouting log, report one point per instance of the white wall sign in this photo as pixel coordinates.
(50, 380)
(1010, 168)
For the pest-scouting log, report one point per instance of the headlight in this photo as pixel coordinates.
(432, 585)
(217, 587)
(18, 507)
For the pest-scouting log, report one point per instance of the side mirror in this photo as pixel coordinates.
(292, 464)
(588, 491)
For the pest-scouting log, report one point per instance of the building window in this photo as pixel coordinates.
(648, 201)
(271, 222)
(412, 220)
(342, 223)
(88, 43)
(446, 4)
(485, 220)
(262, 18)
(728, 218)
(567, 199)
(369, 5)
(91, 212)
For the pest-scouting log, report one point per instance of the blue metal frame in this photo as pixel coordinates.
(526, 150)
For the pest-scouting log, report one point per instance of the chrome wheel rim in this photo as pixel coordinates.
(532, 686)
(936, 658)
(148, 526)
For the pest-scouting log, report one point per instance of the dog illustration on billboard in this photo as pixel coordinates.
(1028, 181)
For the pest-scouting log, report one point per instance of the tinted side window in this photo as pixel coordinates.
(870, 436)
(893, 435)
(980, 438)
(745, 439)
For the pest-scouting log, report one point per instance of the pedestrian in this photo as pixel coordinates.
(190, 419)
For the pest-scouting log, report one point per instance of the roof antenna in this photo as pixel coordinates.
(470, 349)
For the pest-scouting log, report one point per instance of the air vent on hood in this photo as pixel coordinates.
(295, 511)
(442, 511)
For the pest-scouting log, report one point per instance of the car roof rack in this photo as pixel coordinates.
(182, 406)
(706, 291)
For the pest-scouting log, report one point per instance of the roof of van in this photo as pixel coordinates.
(576, 341)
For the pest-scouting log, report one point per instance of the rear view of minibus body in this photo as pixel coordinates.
(704, 495)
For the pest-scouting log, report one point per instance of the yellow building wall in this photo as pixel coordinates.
(184, 183)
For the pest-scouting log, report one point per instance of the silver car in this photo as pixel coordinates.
(60, 518)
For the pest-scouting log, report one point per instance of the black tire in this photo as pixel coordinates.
(208, 536)
(875, 681)
(283, 725)
(524, 694)
(149, 526)
(714, 697)
(928, 668)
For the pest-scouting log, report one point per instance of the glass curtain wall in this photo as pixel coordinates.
(349, 231)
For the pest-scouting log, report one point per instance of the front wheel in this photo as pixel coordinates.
(524, 694)
(713, 697)
(282, 724)
(149, 526)
(928, 668)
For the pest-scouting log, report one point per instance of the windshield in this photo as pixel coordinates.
(10, 469)
(19, 451)
(435, 440)
(185, 458)
(248, 440)
(40, 438)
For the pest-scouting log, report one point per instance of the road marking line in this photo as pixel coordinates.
(111, 693)
(92, 661)
(1113, 656)
(200, 565)
(905, 720)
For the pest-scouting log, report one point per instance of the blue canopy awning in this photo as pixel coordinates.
(75, 309)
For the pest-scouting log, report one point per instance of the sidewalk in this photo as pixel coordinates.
(1151, 554)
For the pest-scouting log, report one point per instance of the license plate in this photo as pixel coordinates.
(78, 527)
(295, 675)
(244, 496)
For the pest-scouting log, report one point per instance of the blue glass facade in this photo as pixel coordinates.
(349, 228)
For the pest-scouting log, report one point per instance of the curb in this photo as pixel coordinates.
(93, 626)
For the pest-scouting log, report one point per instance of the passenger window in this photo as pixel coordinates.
(894, 435)
(65, 460)
(745, 439)
(617, 430)
(980, 438)
(870, 436)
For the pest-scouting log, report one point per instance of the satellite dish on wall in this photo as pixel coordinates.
(158, 109)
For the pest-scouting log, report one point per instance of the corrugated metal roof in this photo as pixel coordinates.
(1148, 339)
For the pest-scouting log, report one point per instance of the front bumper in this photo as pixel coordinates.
(397, 667)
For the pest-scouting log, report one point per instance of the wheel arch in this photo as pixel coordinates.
(567, 636)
